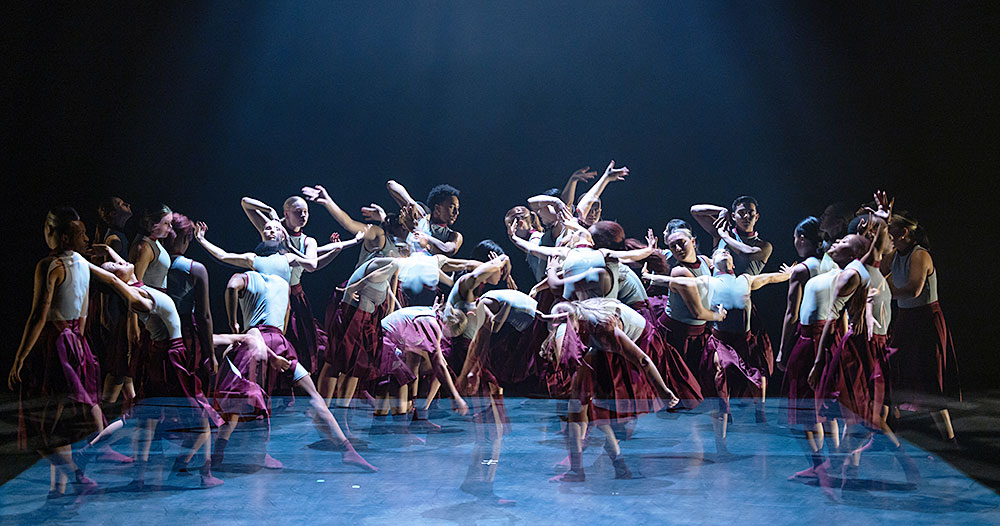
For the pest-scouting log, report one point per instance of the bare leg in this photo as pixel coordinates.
(943, 421)
(575, 429)
(327, 424)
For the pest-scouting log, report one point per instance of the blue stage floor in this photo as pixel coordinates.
(680, 480)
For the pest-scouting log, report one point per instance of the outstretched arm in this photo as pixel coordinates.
(131, 295)
(244, 260)
(320, 196)
(590, 198)
(767, 278)
(533, 249)
(436, 246)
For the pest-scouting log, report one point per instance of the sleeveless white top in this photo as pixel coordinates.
(733, 293)
(162, 322)
(881, 302)
(156, 271)
(817, 297)
(69, 299)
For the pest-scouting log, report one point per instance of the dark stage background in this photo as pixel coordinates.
(800, 104)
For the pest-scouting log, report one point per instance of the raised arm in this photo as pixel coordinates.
(400, 195)
(568, 195)
(547, 208)
(590, 198)
(707, 215)
(258, 212)
(320, 196)
(244, 260)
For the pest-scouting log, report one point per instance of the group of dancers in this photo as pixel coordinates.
(612, 327)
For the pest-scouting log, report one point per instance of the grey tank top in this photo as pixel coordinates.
(180, 285)
(298, 242)
(265, 300)
(900, 274)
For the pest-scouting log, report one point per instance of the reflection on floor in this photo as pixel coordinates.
(678, 479)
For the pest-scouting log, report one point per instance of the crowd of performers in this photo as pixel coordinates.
(613, 328)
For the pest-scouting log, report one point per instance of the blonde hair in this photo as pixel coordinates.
(519, 212)
(454, 320)
(595, 311)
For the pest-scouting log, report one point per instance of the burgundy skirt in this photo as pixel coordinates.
(199, 359)
(355, 338)
(924, 368)
(748, 348)
(761, 356)
(672, 367)
(711, 360)
(164, 374)
(851, 386)
(241, 394)
(59, 386)
(277, 382)
(309, 340)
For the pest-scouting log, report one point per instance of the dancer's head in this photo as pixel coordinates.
(672, 225)
(722, 260)
(834, 220)
(296, 212)
(906, 232)
(681, 243)
(114, 211)
(807, 238)
(123, 270)
(63, 229)
(452, 321)
(156, 221)
(181, 233)
(269, 247)
(745, 215)
(443, 202)
(848, 248)
(607, 234)
(594, 214)
(273, 231)
(524, 219)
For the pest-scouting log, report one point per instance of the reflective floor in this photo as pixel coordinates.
(678, 479)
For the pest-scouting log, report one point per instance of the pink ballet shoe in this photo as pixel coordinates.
(110, 455)
(272, 463)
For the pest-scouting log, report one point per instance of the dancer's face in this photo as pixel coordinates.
(900, 237)
(446, 211)
(121, 269)
(297, 214)
(122, 211)
(272, 231)
(162, 227)
(745, 217)
(722, 260)
(682, 246)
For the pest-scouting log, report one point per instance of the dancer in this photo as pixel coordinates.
(262, 296)
(735, 229)
(732, 292)
(303, 331)
(147, 254)
(434, 222)
(607, 326)
(163, 360)
(924, 364)
(380, 240)
(187, 286)
(588, 211)
(59, 401)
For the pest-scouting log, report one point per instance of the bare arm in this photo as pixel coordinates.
(921, 266)
(441, 371)
(203, 310)
(41, 302)
(244, 260)
(237, 283)
(692, 298)
(568, 195)
(142, 256)
(847, 282)
(706, 215)
(258, 212)
(400, 195)
(130, 295)
(590, 198)
(796, 284)
(547, 208)
(766, 278)
(533, 249)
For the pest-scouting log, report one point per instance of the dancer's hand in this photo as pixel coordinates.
(373, 212)
(15, 374)
(650, 238)
(785, 268)
(459, 406)
(720, 313)
(317, 194)
(814, 376)
(199, 230)
(615, 174)
(583, 174)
